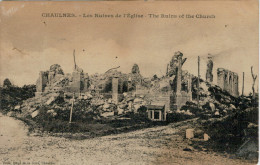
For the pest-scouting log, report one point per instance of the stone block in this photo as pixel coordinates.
(51, 100)
(189, 133)
(35, 113)
(206, 137)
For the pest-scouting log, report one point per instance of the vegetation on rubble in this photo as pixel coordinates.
(10, 96)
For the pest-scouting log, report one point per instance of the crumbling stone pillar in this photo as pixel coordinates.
(230, 82)
(209, 75)
(172, 66)
(51, 78)
(76, 82)
(115, 89)
(235, 85)
(41, 82)
(179, 72)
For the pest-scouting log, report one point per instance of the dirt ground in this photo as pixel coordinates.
(157, 145)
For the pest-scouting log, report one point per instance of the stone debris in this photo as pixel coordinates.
(217, 113)
(248, 149)
(206, 137)
(212, 106)
(189, 133)
(35, 113)
(50, 101)
(10, 114)
(189, 148)
(118, 95)
(17, 107)
(107, 114)
(52, 112)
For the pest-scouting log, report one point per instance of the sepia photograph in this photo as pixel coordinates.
(129, 82)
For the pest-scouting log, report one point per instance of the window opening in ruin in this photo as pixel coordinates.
(125, 87)
(230, 79)
(183, 87)
(156, 115)
(151, 114)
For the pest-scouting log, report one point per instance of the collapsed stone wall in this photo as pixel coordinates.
(79, 82)
(103, 83)
(42, 81)
(126, 82)
(54, 80)
(50, 79)
(175, 88)
(228, 80)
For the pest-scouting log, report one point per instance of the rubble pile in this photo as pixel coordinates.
(51, 112)
(90, 106)
(213, 102)
(55, 91)
(229, 121)
(234, 133)
(52, 78)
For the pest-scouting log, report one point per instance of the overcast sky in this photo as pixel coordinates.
(31, 43)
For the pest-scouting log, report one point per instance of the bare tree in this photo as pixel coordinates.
(253, 85)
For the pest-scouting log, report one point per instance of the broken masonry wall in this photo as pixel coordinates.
(228, 81)
(106, 85)
(161, 99)
(51, 78)
(179, 86)
(178, 91)
(221, 78)
(180, 97)
(42, 81)
(86, 83)
(79, 83)
(75, 85)
(172, 66)
(178, 100)
(54, 80)
(235, 85)
(209, 75)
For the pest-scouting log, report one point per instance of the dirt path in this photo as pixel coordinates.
(158, 145)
